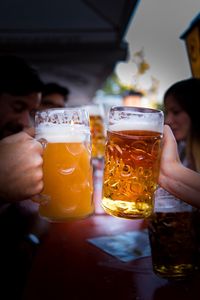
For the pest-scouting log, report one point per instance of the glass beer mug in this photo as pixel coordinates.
(132, 160)
(67, 170)
(173, 237)
(96, 114)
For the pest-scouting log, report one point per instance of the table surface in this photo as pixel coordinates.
(67, 266)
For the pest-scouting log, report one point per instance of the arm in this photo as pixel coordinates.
(20, 167)
(178, 180)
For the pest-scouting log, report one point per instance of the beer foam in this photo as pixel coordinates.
(128, 125)
(61, 133)
(94, 110)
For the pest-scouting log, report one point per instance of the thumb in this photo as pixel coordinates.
(170, 144)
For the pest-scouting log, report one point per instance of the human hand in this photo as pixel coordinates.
(30, 131)
(21, 167)
(169, 155)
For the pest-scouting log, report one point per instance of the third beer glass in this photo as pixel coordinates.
(96, 115)
(67, 192)
(132, 159)
(173, 237)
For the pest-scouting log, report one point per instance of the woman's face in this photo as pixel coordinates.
(177, 118)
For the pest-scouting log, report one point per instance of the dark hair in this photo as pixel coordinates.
(187, 95)
(54, 88)
(132, 93)
(17, 77)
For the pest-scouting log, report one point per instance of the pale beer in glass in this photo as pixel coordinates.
(67, 169)
(132, 161)
(96, 114)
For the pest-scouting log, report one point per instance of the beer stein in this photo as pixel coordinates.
(132, 160)
(173, 237)
(67, 170)
(96, 114)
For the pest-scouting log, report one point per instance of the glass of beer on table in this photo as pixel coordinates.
(173, 237)
(67, 171)
(97, 128)
(132, 161)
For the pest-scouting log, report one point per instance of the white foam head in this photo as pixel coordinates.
(130, 125)
(61, 133)
(94, 110)
(135, 118)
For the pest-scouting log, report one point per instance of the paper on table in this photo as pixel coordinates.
(126, 246)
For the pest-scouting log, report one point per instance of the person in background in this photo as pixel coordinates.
(132, 98)
(174, 177)
(54, 95)
(20, 96)
(182, 115)
(21, 228)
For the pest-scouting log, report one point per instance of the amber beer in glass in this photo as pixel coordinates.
(173, 237)
(132, 160)
(67, 170)
(96, 114)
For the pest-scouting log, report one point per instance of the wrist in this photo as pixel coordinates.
(169, 175)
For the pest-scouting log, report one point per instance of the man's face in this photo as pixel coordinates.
(16, 112)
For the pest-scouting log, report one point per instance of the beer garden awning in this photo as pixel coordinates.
(77, 43)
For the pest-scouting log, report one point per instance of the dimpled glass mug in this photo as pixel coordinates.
(67, 170)
(132, 161)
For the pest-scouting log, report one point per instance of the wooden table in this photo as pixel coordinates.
(67, 266)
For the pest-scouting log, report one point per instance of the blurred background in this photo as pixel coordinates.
(103, 51)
